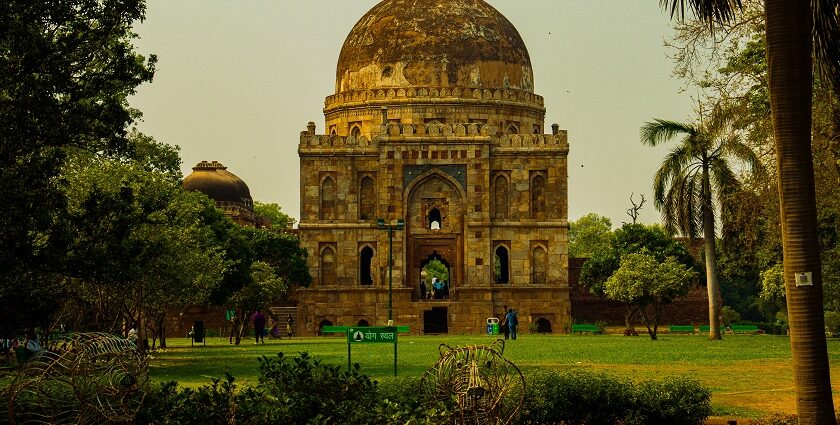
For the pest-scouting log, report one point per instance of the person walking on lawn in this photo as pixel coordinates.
(512, 322)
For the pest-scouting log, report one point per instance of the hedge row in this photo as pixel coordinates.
(593, 399)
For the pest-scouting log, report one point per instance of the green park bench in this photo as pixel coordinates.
(705, 329)
(746, 329)
(681, 329)
(581, 328)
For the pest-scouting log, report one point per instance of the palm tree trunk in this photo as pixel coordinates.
(789, 47)
(712, 286)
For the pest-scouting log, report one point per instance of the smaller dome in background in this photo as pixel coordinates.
(214, 180)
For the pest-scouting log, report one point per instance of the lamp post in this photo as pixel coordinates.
(390, 227)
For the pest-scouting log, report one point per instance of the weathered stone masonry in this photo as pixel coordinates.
(441, 126)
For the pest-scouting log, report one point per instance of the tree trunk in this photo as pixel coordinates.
(712, 286)
(629, 329)
(162, 327)
(651, 331)
(789, 47)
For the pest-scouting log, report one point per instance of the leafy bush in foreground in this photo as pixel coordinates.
(298, 390)
(576, 398)
(670, 402)
(582, 398)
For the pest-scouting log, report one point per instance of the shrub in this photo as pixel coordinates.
(832, 322)
(671, 402)
(777, 419)
(730, 316)
(575, 398)
(578, 398)
(602, 327)
(299, 390)
(303, 389)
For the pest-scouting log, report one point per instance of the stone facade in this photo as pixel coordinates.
(465, 164)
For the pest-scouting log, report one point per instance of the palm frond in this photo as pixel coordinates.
(742, 152)
(682, 203)
(827, 40)
(723, 180)
(657, 131)
(675, 162)
(710, 11)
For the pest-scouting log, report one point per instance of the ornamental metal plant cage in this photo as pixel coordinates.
(477, 382)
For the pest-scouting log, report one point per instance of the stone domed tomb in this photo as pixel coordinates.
(229, 191)
(434, 121)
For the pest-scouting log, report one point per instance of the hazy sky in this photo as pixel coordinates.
(237, 82)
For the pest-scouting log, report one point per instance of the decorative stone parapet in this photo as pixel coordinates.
(327, 142)
(394, 131)
(415, 94)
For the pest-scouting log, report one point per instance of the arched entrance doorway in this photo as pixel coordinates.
(434, 231)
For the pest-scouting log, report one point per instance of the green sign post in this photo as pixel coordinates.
(368, 335)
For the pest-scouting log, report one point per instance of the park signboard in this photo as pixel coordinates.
(368, 335)
(372, 335)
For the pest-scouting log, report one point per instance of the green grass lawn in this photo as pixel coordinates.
(750, 376)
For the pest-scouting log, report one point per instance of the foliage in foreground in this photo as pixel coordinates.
(302, 390)
(297, 390)
(592, 399)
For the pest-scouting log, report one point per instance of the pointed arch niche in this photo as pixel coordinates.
(367, 197)
(539, 264)
(501, 197)
(538, 187)
(327, 264)
(328, 194)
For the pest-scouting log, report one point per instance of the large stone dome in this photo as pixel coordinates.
(434, 43)
(214, 180)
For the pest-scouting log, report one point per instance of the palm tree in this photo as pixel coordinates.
(692, 177)
(792, 28)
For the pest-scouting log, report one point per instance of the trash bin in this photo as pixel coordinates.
(198, 331)
(492, 326)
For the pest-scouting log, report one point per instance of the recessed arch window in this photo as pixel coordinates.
(365, 262)
(356, 131)
(538, 196)
(328, 267)
(512, 129)
(435, 220)
(539, 265)
(367, 199)
(501, 198)
(328, 198)
(501, 265)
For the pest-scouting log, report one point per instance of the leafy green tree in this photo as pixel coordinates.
(631, 239)
(138, 244)
(692, 177)
(773, 285)
(274, 214)
(66, 71)
(589, 234)
(649, 285)
(265, 286)
(436, 269)
(257, 249)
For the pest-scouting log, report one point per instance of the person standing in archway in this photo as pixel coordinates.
(422, 289)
